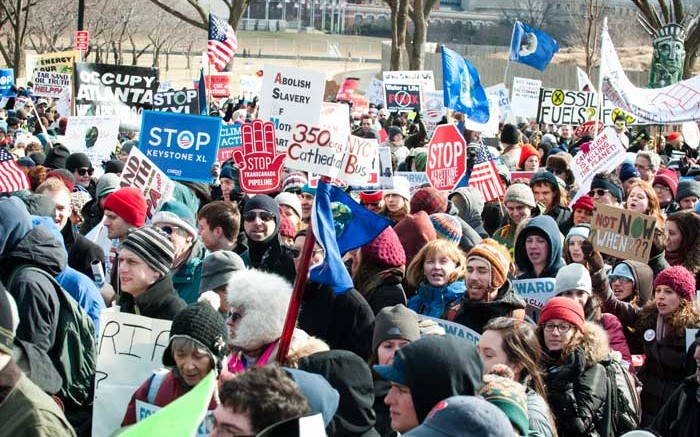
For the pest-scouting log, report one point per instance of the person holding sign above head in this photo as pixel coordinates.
(538, 251)
(197, 346)
(551, 195)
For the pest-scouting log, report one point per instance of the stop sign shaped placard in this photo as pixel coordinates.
(447, 160)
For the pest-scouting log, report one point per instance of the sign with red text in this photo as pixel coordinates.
(402, 97)
(603, 154)
(446, 157)
(142, 173)
(347, 89)
(258, 160)
(82, 40)
(622, 233)
(218, 84)
(50, 84)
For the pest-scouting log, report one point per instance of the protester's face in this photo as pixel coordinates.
(82, 176)
(644, 167)
(565, 131)
(622, 288)
(394, 202)
(208, 235)
(663, 193)
(674, 238)
(193, 365)
(387, 349)
(575, 249)
(401, 410)
(555, 339)
(366, 124)
(291, 215)
(490, 349)
(518, 212)
(64, 207)
(181, 239)
(582, 216)
(233, 319)
(135, 276)
(532, 163)
(603, 196)
(438, 268)
(226, 188)
(123, 156)
(316, 256)
(116, 226)
(229, 423)
(307, 202)
(688, 202)
(579, 296)
(374, 206)
(626, 185)
(258, 224)
(543, 194)
(478, 279)
(667, 300)
(637, 201)
(537, 249)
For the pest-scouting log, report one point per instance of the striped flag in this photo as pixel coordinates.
(484, 176)
(12, 178)
(222, 42)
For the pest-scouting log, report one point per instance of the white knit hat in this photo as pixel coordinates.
(572, 277)
(401, 186)
(291, 200)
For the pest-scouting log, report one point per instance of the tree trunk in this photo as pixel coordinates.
(416, 57)
(167, 60)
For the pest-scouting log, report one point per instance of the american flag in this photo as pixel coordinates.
(12, 178)
(222, 42)
(484, 176)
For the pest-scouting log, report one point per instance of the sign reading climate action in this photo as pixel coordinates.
(622, 233)
(125, 91)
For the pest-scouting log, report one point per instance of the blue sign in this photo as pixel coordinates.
(230, 136)
(183, 146)
(7, 79)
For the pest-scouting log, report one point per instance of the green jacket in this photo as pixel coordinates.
(187, 277)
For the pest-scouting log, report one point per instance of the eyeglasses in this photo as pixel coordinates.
(622, 279)
(234, 315)
(265, 216)
(84, 170)
(642, 167)
(598, 192)
(170, 230)
(662, 188)
(563, 327)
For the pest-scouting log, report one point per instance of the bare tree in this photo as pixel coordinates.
(419, 12)
(535, 13)
(399, 26)
(49, 25)
(588, 17)
(14, 21)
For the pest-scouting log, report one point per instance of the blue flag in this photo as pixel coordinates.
(202, 94)
(532, 47)
(462, 87)
(340, 227)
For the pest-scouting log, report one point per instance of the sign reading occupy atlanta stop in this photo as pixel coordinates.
(446, 157)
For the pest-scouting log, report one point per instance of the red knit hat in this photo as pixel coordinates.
(565, 309)
(667, 177)
(584, 202)
(525, 152)
(428, 199)
(371, 196)
(385, 250)
(680, 280)
(128, 203)
(65, 176)
(414, 232)
(286, 226)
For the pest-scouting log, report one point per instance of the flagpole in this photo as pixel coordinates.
(512, 35)
(43, 128)
(505, 75)
(601, 63)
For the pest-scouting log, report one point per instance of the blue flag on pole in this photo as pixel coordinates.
(532, 47)
(340, 224)
(462, 87)
(202, 94)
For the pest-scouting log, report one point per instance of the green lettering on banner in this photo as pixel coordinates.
(622, 233)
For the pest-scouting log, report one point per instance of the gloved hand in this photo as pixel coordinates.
(593, 258)
(567, 372)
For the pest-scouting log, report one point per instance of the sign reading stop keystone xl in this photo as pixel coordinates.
(446, 157)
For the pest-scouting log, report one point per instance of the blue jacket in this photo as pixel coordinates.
(433, 301)
(85, 292)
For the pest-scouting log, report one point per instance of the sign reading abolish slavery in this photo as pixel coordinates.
(622, 233)
(50, 84)
(452, 328)
(184, 101)
(535, 292)
(525, 96)
(94, 136)
(402, 97)
(229, 139)
(124, 91)
(290, 96)
(603, 154)
(258, 160)
(142, 173)
(183, 146)
(130, 349)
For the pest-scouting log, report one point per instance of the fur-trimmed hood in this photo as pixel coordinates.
(686, 316)
(594, 343)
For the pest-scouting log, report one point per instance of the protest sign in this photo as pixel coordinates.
(501, 94)
(402, 97)
(603, 154)
(535, 292)
(424, 78)
(447, 157)
(250, 86)
(525, 97)
(130, 348)
(97, 137)
(432, 110)
(50, 84)
(383, 167)
(417, 179)
(258, 160)
(452, 328)
(521, 175)
(622, 233)
(334, 117)
(7, 80)
(229, 139)
(142, 173)
(558, 106)
(490, 128)
(145, 410)
(347, 89)
(57, 62)
(183, 101)
(375, 91)
(218, 84)
(166, 85)
(290, 96)
(183, 146)
(124, 91)
(691, 134)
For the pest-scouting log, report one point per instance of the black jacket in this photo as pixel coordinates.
(92, 216)
(271, 257)
(680, 416)
(384, 290)
(81, 251)
(475, 315)
(344, 321)
(159, 301)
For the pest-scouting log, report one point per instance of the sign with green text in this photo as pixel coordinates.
(622, 233)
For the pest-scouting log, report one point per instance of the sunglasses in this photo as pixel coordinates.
(296, 253)
(83, 171)
(234, 315)
(265, 216)
(598, 192)
(169, 229)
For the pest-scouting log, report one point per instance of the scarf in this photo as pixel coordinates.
(675, 258)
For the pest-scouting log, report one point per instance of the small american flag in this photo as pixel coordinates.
(222, 42)
(484, 176)
(12, 178)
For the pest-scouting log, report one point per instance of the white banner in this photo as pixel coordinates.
(500, 92)
(142, 173)
(96, 136)
(375, 91)
(535, 293)
(525, 97)
(604, 154)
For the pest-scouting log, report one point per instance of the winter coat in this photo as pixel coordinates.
(680, 415)
(85, 292)
(383, 424)
(577, 386)
(506, 236)
(159, 301)
(475, 315)
(271, 257)
(435, 301)
(561, 215)
(25, 410)
(494, 216)
(469, 209)
(544, 225)
(81, 251)
(384, 290)
(616, 336)
(538, 415)
(188, 275)
(344, 321)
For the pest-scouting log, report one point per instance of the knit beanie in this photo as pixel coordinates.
(544, 176)
(565, 309)
(549, 139)
(520, 193)
(308, 189)
(129, 204)
(497, 256)
(77, 160)
(583, 230)
(447, 227)
(153, 246)
(127, 146)
(414, 232)
(687, 188)
(38, 158)
(428, 199)
(7, 335)
(526, 152)
(673, 136)
(113, 166)
(392, 131)
(395, 322)
(107, 183)
(375, 196)
(607, 184)
(669, 178)
(218, 268)
(26, 162)
(510, 134)
(680, 280)
(291, 200)
(584, 202)
(177, 213)
(385, 250)
(573, 276)
(203, 324)
(65, 176)
(401, 186)
(226, 172)
(628, 171)
(56, 158)
(264, 202)
(421, 160)
(510, 397)
(294, 181)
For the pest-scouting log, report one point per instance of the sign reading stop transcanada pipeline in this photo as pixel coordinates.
(446, 157)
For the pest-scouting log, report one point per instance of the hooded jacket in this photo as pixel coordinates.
(469, 209)
(545, 226)
(270, 256)
(159, 301)
(435, 301)
(475, 315)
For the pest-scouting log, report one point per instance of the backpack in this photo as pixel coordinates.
(623, 409)
(74, 353)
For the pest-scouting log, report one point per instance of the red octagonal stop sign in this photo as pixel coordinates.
(447, 157)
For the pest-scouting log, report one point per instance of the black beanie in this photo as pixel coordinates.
(264, 202)
(510, 134)
(687, 188)
(78, 160)
(7, 335)
(113, 166)
(57, 157)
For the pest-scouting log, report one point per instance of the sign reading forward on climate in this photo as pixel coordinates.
(622, 233)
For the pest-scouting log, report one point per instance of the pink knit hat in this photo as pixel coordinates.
(385, 250)
(680, 280)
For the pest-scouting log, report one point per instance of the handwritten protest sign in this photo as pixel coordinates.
(229, 139)
(535, 292)
(57, 62)
(50, 84)
(452, 328)
(250, 86)
(183, 146)
(691, 134)
(218, 84)
(557, 106)
(142, 173)
(500, 92)
(622, 233)
(184, 101)
(525, 97)
(259, 161)
(97, 137)
(424, 78)
(130, 348)
(603, 154)
(145, 410)
(7, 79)
(290, 96)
